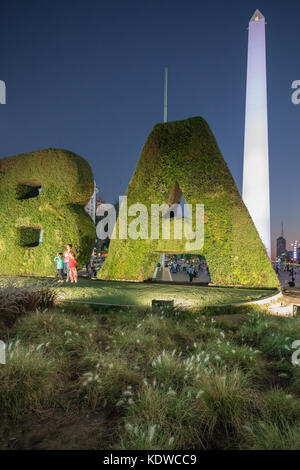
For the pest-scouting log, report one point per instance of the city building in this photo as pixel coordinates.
(281, 244)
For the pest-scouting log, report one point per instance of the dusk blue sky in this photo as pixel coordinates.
(88, 76)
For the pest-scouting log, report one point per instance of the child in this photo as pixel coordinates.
(59, 259)
(72, 267)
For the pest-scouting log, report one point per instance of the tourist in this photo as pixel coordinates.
(292, 274)
(59, 259)
(72, 267)
(93, 269)
(191, 273)
(173, 268)
(207, 271)
(66, 260)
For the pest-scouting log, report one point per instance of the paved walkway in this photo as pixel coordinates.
(291, 296)
(284, 278)
(182, 276)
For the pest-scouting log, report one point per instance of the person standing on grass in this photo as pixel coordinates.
(59, 259)
(66, 260)
(72, 267)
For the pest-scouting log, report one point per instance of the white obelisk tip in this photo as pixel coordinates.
(257, 16)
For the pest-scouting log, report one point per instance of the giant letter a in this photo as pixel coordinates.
(183, 158)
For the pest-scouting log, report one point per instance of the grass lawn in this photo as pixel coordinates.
(77, 378)
(141, 294)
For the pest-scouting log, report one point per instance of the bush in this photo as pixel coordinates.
(295, 382)
(28, 381)
(274, 336)
(168, 421)
(267, 435)
(229, 397)
(16, 301)
(111, 382)
(277, 406)
(69, 336)
(205, 414)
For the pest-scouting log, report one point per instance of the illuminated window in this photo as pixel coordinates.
(256, 18)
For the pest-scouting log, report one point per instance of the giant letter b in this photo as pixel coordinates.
(42, 199)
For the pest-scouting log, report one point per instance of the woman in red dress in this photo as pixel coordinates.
(72, 267)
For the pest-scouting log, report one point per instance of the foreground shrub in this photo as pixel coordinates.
(273, 336)
(269, 435)
(230, 355)
(229, 397)
(295, 382)
(69, 337)
(255, 328)
(208, 413)
(171, 372)
(161, 420)
(16, 301)
(277, 405)
(111, 382)
(28, 381)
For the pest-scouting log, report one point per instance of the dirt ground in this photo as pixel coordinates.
(54, 430)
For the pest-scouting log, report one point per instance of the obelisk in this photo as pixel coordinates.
(256, 192)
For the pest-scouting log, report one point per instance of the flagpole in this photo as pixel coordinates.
(166, 96)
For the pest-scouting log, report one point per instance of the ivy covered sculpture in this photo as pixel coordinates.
(183, 158)
(42, 199)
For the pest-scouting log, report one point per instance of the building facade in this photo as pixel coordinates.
(280, 246)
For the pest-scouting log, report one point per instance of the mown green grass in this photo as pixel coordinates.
(168, 380)
(141, 294)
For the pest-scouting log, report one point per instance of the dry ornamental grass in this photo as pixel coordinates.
(15, 302)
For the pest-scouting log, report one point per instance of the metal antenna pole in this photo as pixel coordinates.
(166, 96)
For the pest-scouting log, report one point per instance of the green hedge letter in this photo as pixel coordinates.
(42, 199)
(183, 158)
